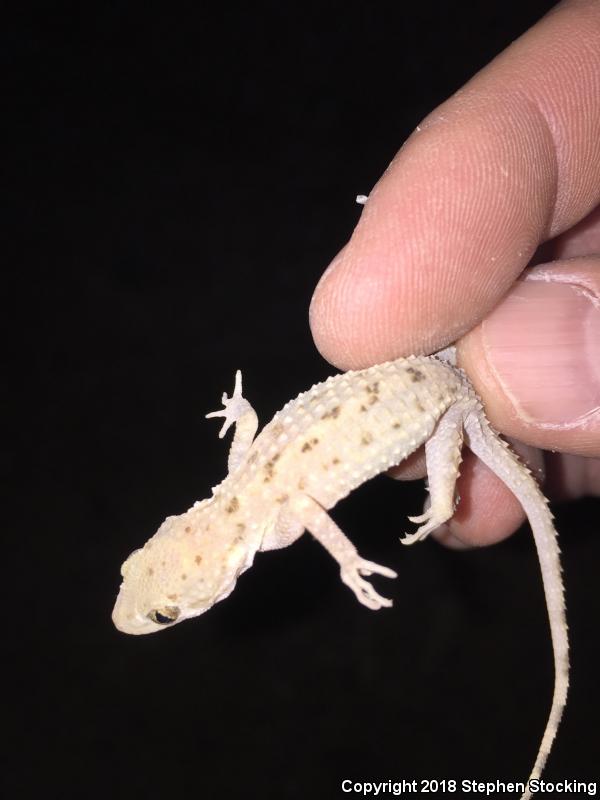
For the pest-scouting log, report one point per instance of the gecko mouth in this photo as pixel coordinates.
(126, 619)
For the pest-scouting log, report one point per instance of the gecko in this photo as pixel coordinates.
(313, 453)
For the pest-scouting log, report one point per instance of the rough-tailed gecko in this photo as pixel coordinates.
(314, 452)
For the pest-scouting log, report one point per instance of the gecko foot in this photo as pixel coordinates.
(431, 520)
(234, 407)
(351, 575)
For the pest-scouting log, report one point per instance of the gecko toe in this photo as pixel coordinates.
(421, 518)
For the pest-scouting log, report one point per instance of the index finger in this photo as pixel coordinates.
(509, 161)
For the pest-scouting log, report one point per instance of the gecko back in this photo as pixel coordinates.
(353, 426)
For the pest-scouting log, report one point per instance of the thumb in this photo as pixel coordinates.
(535, 360)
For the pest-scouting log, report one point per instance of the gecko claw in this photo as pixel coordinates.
(412, 538)
(431, 520)
(421, 518)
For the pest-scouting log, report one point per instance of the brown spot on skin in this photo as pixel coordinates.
(306, 447)
(198, 560)
(233, 505)
(419, 406)
(241, 527)
(162, 563)
(314, 441)
(373, 388)
(183, 576)
(150, 571)
(373, 399)
(335, 461)
(363, 408)
(301, 484)
(367, 438)
(278, 429)
(172, 597)
(333, 413)
(188, 529)
(396, 425)
(415, 375)
(270, 467)
(282, 499)
(267, 479)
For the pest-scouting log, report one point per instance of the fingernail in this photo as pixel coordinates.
(543, 343)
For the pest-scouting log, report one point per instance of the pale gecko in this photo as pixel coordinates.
(314, 452)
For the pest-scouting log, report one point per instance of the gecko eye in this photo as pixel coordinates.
(164, 616)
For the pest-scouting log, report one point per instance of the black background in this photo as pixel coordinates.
(179, 177)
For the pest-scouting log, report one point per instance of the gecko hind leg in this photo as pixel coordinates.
(443, 457)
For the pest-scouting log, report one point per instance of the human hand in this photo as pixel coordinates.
(507, 164)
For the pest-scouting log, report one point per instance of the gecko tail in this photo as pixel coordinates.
(498, 456)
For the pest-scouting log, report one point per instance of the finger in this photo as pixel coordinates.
(510, 160)
(535, 360)
(412, 468)
(582, 240)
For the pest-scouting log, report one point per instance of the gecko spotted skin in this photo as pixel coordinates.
(314, 452)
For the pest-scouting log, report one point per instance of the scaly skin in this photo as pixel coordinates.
(314, 452)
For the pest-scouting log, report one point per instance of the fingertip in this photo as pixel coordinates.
(353, 313)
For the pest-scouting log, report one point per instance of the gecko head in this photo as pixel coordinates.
(182, 571)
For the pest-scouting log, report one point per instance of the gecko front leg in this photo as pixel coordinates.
(312, 516)
(237, 410)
